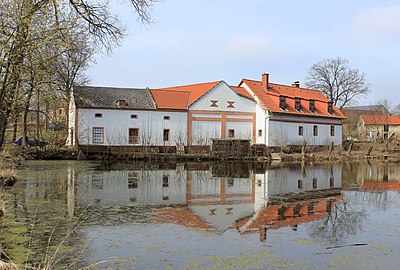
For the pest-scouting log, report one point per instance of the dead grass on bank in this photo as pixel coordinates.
(8, 174)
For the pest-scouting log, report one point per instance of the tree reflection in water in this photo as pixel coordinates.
(339, 223)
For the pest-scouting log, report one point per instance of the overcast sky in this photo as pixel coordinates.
(194, 41)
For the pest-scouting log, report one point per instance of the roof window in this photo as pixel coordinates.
(282, 102)
(298, 104)
(330, 107)
(312, 106)
(121, 103)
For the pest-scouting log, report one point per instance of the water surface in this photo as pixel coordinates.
(71, 214)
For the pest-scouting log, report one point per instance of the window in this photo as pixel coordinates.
(330, 107)
(282, 102)
(166, 135)
(231, 104)
(98, 135)
(231, 133)
(231, 182)
(314, 183)
(298, 104)
(312, 105)
(260, 133)
(301, 130)
(97, 181)
(98, 115)
(133, 136)
(132, 180)
(214, 103)
(332, 130)
(315, 130)
(299, 183)
(134, 116)
(167, 117)
(165, 181)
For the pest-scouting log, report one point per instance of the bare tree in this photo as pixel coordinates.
(337, 80)
(26, 25)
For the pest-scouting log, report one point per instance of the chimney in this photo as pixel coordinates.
(296, 84)
(265, 80)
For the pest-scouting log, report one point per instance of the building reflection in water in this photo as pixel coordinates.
(216, 196)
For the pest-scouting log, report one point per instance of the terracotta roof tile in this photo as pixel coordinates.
(170, 99)
(381, 119)
(196, 90)
(242, 92)
(270, 99)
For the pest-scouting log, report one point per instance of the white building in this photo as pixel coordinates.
(290, 115)
(265, 113)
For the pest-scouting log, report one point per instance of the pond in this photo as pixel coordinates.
(77, 214)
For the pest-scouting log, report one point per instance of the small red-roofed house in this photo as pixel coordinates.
(379, 127)
(290, 115)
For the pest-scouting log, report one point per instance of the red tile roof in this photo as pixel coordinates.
(381, 119)
(179, 215)
(170, 99)
(196, 90)
(270, 215)
(242, 92)
(270, 99)
(380, 186)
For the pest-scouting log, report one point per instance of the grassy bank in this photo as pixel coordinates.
(7, 177)
(8, 174)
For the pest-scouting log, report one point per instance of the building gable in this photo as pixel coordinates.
(223, 98)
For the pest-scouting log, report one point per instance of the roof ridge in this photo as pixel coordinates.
(110, 87)
(164, 90)
(185, 85)
(295, 87)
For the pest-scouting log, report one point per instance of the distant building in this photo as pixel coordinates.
(353, 114)
(379, 127)
(193, 115)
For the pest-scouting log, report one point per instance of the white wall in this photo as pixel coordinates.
(280, 181)
(117, 122)
(286, 133)
(223, 93)
(109, 188)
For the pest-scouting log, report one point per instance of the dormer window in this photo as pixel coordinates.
(121, 103)
(297, 104)
(330, 107)
(312, 105)
(282, 102)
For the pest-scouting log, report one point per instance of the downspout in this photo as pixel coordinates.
(265, 126)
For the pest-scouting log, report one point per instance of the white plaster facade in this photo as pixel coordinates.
(221, 113)
(116, 124)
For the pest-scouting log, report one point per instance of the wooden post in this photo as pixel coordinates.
(350, 149)
(303, 149)
(331, 148)
(369, 151)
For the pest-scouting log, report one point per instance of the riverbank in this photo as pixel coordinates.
(8, 174)
(347, 151)
(8, 177)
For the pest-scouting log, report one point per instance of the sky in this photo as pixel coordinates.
(193, 41)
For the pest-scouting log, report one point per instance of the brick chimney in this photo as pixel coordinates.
(265, 80)
(296, 84)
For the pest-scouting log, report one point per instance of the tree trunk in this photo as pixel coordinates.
(15, 129)
(25, 117)
(3, 125)
(38, 117)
